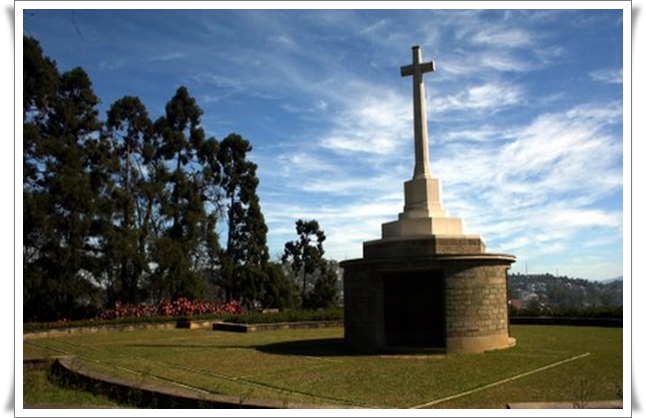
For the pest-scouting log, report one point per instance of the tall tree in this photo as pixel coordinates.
(325, 293)
(181, 144)
(207, 257)
(280, 291)
(129, 208)
(40, 89)
(246, 255)
(61, 142)
(305, 256)
(130, 128)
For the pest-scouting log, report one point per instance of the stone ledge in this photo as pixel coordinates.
(423, 246)
(479, 344)
(152, 395)
(409, 227)
(57, 406)
(36, 363)
(180, 324)
(432, 261)
(233, 327)
(567, 405)
(96, 329)
(192, 324)
(567, 321)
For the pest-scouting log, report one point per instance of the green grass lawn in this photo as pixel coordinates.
(311, 366)
(39, 391)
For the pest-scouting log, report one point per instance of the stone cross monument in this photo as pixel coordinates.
(425, 284)
(417, 70)
(423, 213)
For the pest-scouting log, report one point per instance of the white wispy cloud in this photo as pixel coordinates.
(615, 76)
(111, 64)
(377, 28)
(503, 61)
(503, 37)
(558, 151)
(489, 96)
(372, 123)
(578, 218)
(347, 225)
(538, 193)
(485, 133)
(168, 56)
(456, 65)
(284, 41)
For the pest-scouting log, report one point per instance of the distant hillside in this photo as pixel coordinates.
(616, 279)
(546, 290)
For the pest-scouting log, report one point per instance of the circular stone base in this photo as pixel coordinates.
(472, 345)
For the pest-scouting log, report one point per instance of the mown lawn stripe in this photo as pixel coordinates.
(499, 382)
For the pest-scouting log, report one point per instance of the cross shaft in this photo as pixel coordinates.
(417, 70)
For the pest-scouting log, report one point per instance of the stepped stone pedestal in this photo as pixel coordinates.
(425, 284)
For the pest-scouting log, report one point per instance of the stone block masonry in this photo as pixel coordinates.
(463, 308)
(476, 306)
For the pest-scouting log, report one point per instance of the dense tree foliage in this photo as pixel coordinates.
(245, 258)
(305, 259)
(62, 176)
(131, 129)
(126, 210)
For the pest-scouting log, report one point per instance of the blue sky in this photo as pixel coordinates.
(525, 113)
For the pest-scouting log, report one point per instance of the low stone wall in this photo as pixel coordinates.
(228, 326)
(567, 405)
(553, 320)
(233, 327)
(151, 395)
(35, 363)
(59, 332)
(191, 324)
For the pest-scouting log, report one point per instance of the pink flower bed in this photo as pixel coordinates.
(167, 309)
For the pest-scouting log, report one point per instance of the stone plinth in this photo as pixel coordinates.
(423, 214)
(421, 227)
(454, 303)
(423, 246)
(423, 198)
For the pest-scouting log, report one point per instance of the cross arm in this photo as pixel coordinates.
(423, 68)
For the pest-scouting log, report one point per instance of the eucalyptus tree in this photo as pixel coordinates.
(40, 89)
(245, 258)
(305, 255)
(63, 146)
(130, 208)
(183, 147)
(280, 292)
(325, 293)
(131, 129)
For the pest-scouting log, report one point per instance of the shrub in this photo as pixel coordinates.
(569, 311)
(167, 309)
(334, 314)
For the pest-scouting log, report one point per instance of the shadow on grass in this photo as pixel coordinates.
(325, 347)
(335, 347)
(196, 346)
(322, 347)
